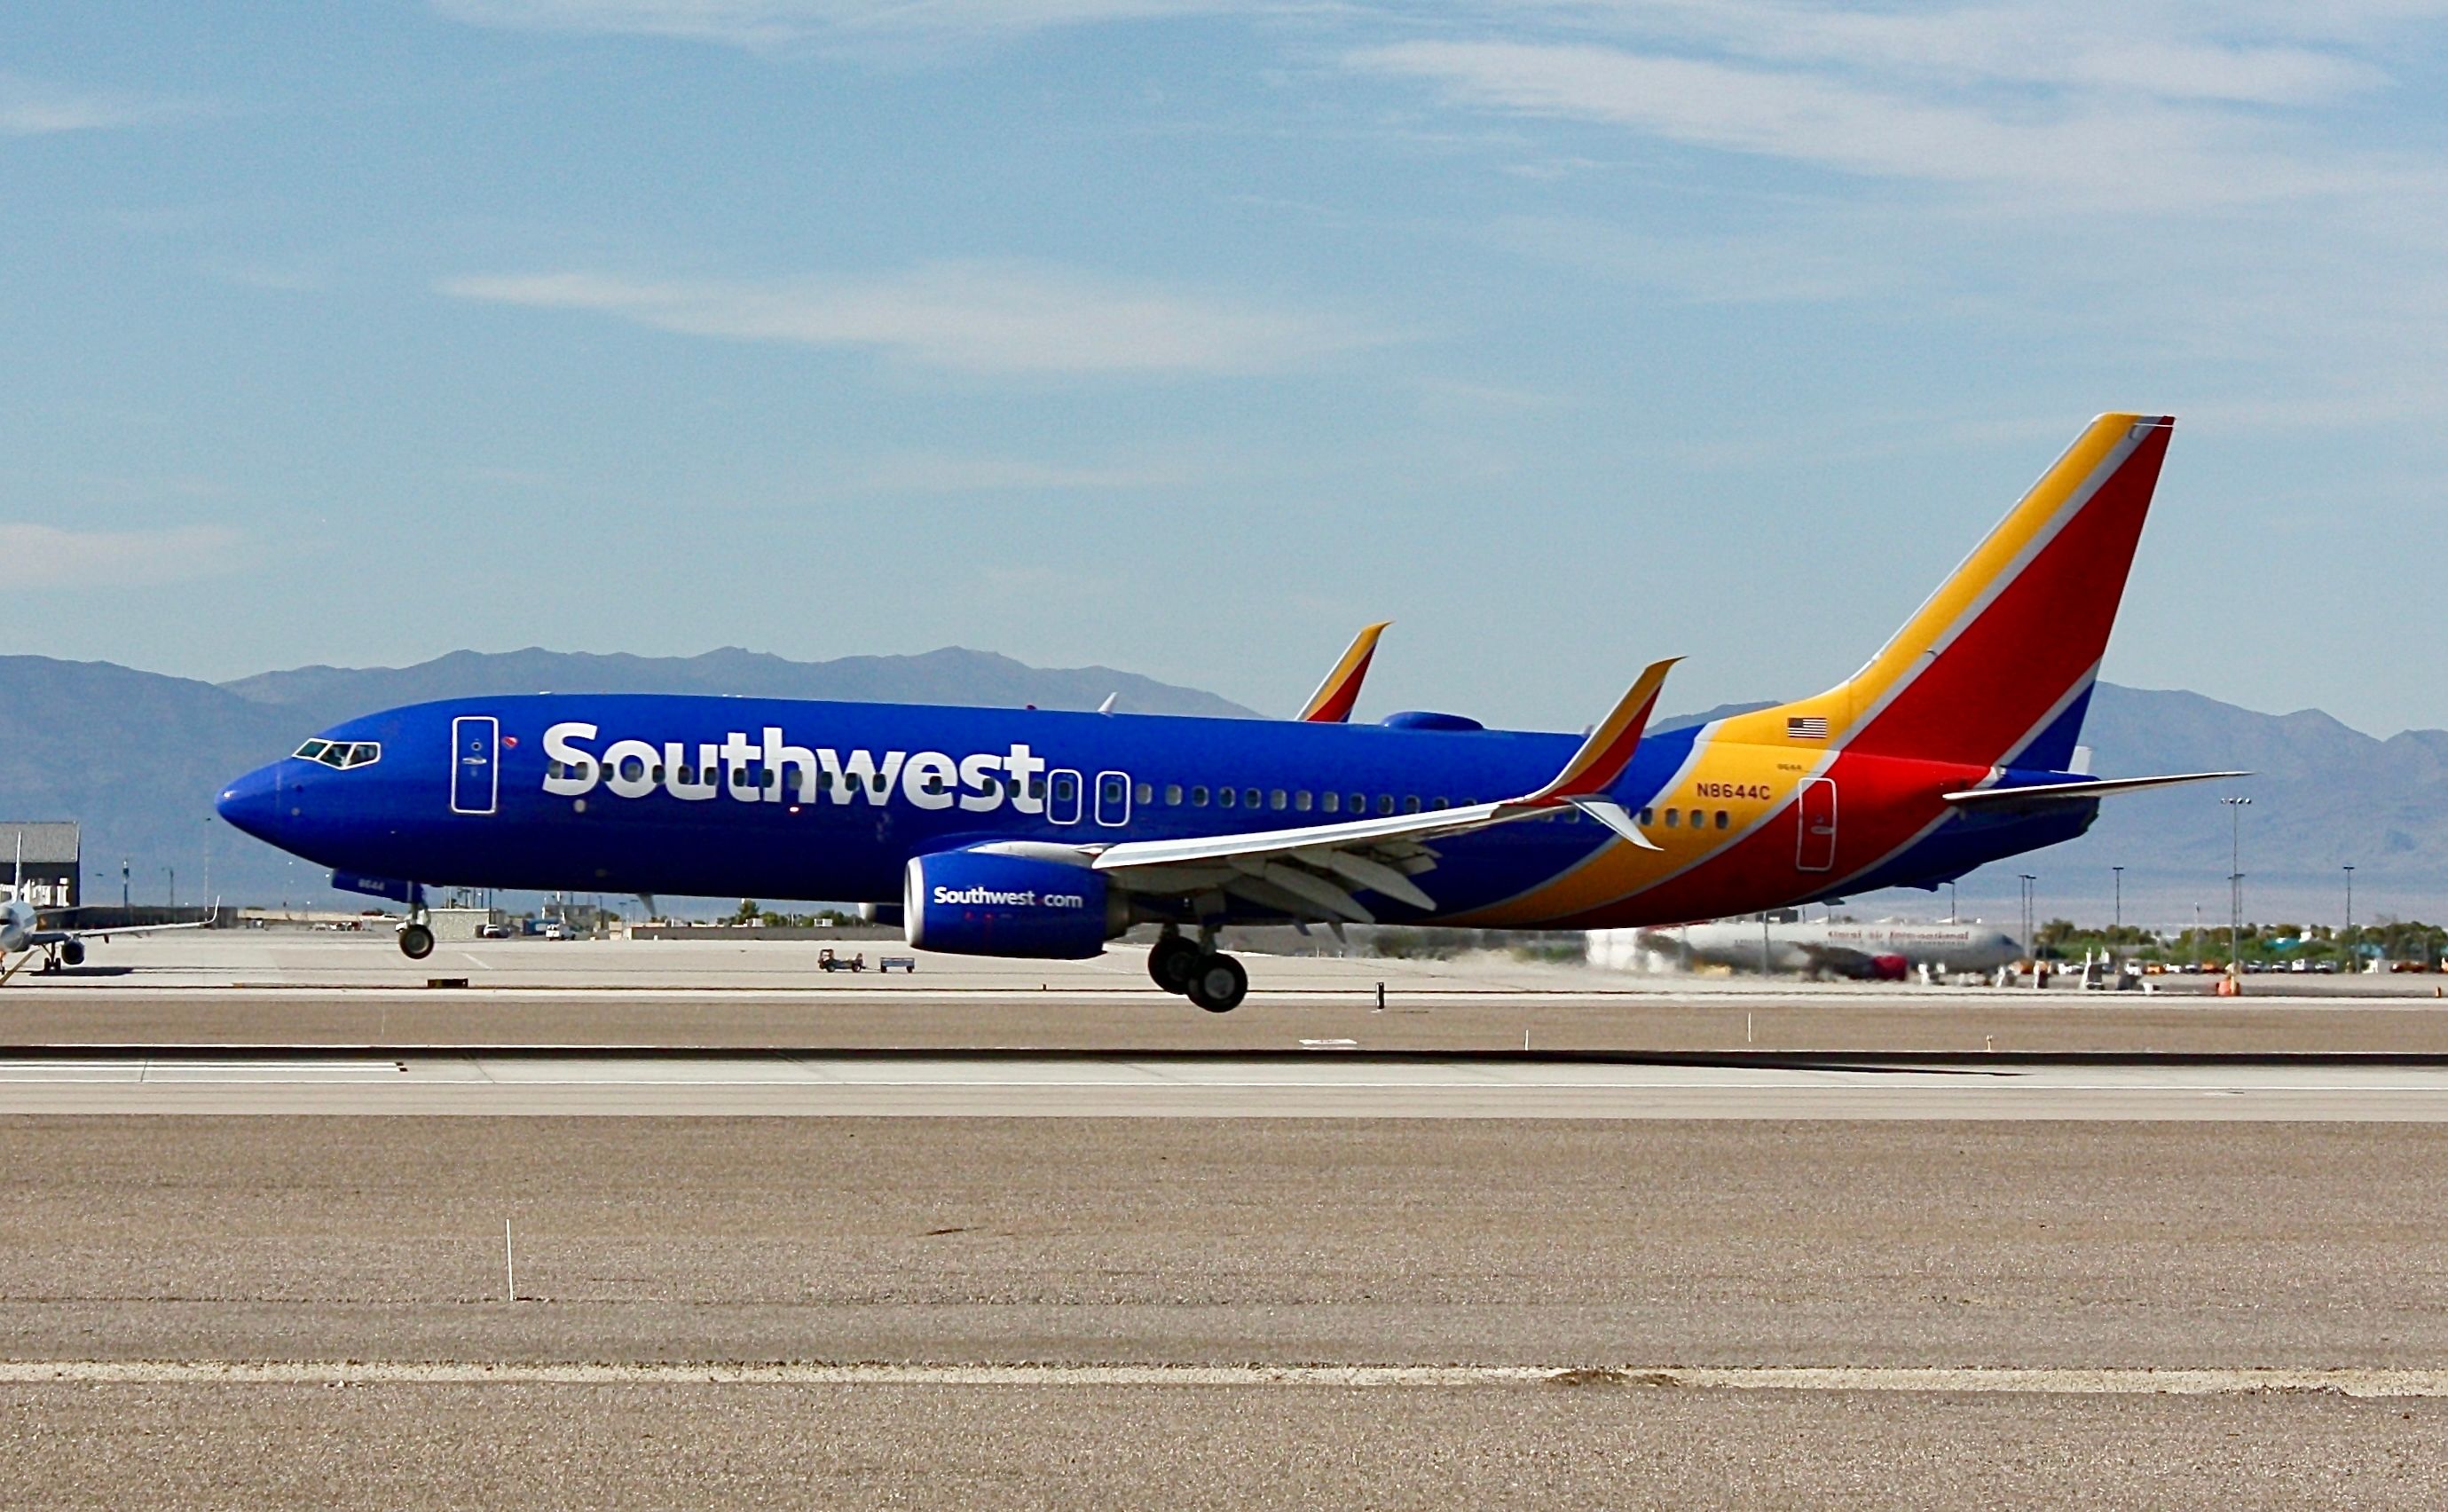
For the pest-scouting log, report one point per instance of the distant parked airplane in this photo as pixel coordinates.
(22, 931)
(1029, 833)
(1865, 950)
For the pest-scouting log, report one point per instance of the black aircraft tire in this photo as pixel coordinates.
(416, 942)
(1170, 963)
(1218, 983)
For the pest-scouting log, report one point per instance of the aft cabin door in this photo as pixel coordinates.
(1815, 849)
(475, 763)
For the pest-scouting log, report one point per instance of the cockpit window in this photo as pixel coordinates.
(340, 754)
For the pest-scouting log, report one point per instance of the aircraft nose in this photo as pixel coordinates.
(253, 803)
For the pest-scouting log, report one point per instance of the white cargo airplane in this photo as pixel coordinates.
(1869, 950)
(20, 930)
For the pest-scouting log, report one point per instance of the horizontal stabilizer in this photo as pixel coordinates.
(2043, 793)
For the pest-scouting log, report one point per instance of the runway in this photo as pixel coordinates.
(671, 1221)
(1243, 1310)
(1331, 1082)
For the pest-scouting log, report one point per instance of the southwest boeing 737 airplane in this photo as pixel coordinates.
(1029, 833)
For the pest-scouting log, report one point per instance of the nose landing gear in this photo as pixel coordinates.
(416, 937)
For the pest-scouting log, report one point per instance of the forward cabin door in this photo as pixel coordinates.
(1815, 846)
(475, 764)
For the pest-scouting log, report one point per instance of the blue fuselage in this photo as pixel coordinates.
(746, 797)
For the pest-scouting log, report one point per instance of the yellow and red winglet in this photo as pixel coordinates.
(1609, 746)
(1331, 703)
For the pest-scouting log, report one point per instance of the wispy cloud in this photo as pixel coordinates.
(2268, 54)
(782, 23)
(31, 107)
(2082, 149)
(980, 317)
(928, 472)
(43, 556)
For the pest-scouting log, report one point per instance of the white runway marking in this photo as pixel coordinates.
(1219, 1086)
(1948, 1379)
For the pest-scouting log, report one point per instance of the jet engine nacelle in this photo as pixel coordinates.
(982, 903)
(72, 952)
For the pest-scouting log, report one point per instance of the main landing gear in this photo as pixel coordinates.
(1207, 977)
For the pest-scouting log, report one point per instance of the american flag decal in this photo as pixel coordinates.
(1807, 727)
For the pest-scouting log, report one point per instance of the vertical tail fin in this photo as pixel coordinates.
(1997, 667)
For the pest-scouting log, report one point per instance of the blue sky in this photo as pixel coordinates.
(1185, 338)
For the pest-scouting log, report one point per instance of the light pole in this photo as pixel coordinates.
(123, 883)
(2235, 808)
(2197, 939)
(2120, 896)
(2350, 912)
(1950, 903)
(174, 885)
(2031, 947)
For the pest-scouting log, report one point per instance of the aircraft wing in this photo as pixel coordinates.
(1311, 871)
(1842, 958)
(1331, 703)
(2040, 793)
(42, 937)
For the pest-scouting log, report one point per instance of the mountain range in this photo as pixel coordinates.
(137, 756)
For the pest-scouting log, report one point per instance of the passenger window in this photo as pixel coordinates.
(1439, 803)
(1146, 793)
(1301, 801)
(1723, 818)
(1036, 787)
(1198, 798)
(1248, 797)
(1673, 818)
(1278, 799)
(1412, 805)
(1384, 803)
(1173, 795)
(1648, 817)
(1333, 803)
(1699, 820)
(934, 782)
(1360, 803)
(1226, 797)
